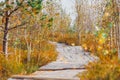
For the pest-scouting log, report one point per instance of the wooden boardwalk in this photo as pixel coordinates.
(71, 60)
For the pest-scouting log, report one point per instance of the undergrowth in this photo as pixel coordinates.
(105, 69)
(16, 63)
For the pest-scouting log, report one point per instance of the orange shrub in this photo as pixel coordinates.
(67, 38)
(17, 62)
(105, 69)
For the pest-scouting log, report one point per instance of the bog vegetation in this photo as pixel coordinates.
(27, 26)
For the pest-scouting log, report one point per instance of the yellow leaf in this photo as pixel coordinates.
(106, 52)
(84, 46)
(101, 41)
(99, 48)
(73, 44)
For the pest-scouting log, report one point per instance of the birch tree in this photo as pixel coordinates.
(9, 8)
(110, 21)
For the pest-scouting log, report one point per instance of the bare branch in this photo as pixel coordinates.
(18, 26)
(1, 30)
(1, 26)
(17, 7)
(13, 11)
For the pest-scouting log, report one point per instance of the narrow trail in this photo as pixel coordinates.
(71, 60)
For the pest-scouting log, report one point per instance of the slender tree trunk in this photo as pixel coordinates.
(29, 52)
(5, 37)
(117, 21)
(118, 36)
(28, 47)
(79, 38)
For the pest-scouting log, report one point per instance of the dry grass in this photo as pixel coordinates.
(67, 38)
(108, 67)
(105, 69)
(17, 63)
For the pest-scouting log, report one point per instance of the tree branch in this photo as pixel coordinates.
(17, 7)
(17, 26)
(13, 11)
(1, 26)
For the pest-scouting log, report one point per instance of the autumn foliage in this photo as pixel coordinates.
(26, 27)
(17, 63)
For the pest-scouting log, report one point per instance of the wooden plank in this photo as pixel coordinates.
(19, 77)
(63, 66)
